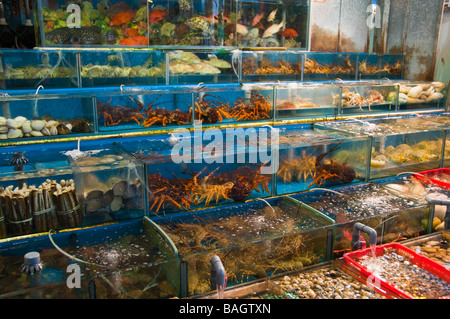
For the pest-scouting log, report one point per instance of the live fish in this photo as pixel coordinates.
(272, 15)
(274, 28)
(257, 18)
(83, 35)
(241, 29)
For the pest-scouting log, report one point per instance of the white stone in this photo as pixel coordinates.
(37, 125)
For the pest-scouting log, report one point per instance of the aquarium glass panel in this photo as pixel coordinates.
(373, 66)
(269, 23)
(269, 66)
(306, 101)
(91, 23)
(30, 69)
(329, 66)
(122, 67)
(189, 67)
(44, 116)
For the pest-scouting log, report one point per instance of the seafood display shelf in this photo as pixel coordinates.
(99, 67)
(395, 148)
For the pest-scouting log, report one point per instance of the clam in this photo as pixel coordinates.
(12, 123)
(15, 133)
(37, 125)
(435, 96)
(415, 92)
(439, 86)
(26, 127)
(4, 129)
(2, 121)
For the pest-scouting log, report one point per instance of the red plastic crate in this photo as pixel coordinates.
(421, 261)
(430, 175)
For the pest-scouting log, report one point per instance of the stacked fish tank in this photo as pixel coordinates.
(306, 100)
(395, 149)
(310, 159)
(107, 262)
(60, 186)
(270, 23)
(38, 115)
(203, 66)
(321, 66)
(378, 66)
(394, 216)
(253, 240)
(418, 96)
(30, 69)
(100, 68)
(91, 23)
(187, 171)
(266, 66)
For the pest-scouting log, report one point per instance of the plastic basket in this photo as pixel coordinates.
(420, 261)
(430, 177)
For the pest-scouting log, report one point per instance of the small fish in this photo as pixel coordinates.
(241, 29)
(289, 33)
(272, 15)
(274, 28)
(257, 18)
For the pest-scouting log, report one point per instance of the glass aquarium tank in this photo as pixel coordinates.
(45, 115)
(321, 66)
(269, 23)
(395, 149)
(378, 66)
(421, 95)
(111, 184)
(310, 159)
(202, 66)
(194, 170)
(36, 184)
(91, 23)
(190, 23)
(253, 240)
(118, 67)
(30, 69)
(137, 108)
(271, 66)
(392, 215)
(306, 100)
(115, 261)
(361, 98)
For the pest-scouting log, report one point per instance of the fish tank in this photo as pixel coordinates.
(393, 216)
(269, 23)
(117, 261)
(271, 66)
(31, 69)
(34, 182)
(309, 159)
(306, 100)
(364, 98)
(91, 23)
(419, 96)
(111, 184)
(395, 149)
(100, 67)
(190, 23)
(321, 66)
(253, 240)
(187, 171)
(143, 109)
(49, 115)
(379, 66)
(202, 66)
